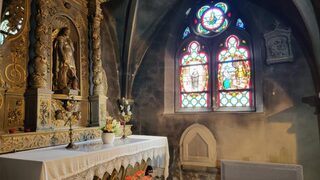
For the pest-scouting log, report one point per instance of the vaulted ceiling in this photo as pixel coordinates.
(137, 22)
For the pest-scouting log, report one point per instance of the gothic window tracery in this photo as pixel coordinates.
(214, 61)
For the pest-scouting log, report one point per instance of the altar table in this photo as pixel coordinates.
(91, 158)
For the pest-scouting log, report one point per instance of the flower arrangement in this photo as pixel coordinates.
(139, 175)
(125, 109)
(125, 113)
(112, 125)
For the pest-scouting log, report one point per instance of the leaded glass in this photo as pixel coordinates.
(225, 84)
(194, 77)
(186, 33)
(212, 18)
(234, 73)
(233, 50)
(194, 56)
(240, 24)
(194, 100)
(235, 99)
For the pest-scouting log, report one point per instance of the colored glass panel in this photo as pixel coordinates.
(193, 100)
(194, 73)
(186, 33)
(235, 99)
(234, 75)
(194, 56)
(201, 11)
(212, 19)
(240, 24)
(202, 30)
(194, 78)
(223, 27)
(233, 51)
(222, 6)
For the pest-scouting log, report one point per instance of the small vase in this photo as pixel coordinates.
(107, 138)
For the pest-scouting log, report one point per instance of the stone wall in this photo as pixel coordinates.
(285, 131)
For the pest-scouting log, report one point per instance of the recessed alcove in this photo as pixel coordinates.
(198, 147)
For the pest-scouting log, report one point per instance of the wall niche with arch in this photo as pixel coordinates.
(198, 147)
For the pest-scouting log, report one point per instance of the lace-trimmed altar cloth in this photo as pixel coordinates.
(91, 158)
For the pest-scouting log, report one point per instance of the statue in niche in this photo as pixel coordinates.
(65, 72)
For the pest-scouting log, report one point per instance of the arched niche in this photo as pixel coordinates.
(60, 22)
(198, 147)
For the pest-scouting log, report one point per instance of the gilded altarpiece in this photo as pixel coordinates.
(13, 63)
(33, 95)
(64, 25)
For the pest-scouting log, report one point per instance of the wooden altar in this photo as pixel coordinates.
(90, 160)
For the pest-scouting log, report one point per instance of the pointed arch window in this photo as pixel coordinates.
(234, 74)
(194, 77)
(214, 61)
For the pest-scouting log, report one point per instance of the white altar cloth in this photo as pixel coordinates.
(91, 158)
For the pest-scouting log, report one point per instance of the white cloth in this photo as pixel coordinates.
(90, 158)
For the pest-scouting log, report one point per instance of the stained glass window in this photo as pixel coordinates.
(212, 18)
(194, 77)
(234, 74)
(214, 69)
(12, 19)
(240, 24)
(186, 33)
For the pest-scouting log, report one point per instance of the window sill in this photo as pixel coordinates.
(213, 113)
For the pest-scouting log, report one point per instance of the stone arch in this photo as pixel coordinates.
(198, 147)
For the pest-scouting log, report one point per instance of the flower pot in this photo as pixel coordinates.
(107, 138)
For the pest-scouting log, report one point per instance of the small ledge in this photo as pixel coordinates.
(212, 113)
(190, 168)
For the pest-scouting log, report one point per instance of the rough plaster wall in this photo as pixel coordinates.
(118, 11)
(285, 132)
(110, 57)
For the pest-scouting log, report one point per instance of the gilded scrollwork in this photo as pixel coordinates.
(15, 114)
(37, 140)
(60, 111)
(1, 100)
(3, 84)
(14, 72)
(44, 112)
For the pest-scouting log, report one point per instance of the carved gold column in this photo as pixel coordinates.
(2, 109)
(38, 95)
(98, 99)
